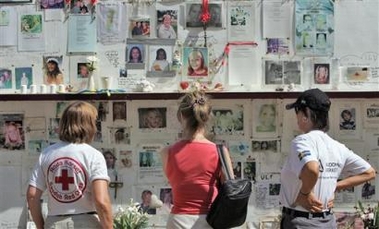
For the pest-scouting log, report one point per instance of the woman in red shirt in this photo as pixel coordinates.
(192, 165)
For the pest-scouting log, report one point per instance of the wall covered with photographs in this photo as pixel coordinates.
(244, 46)
(130, 134)
(163, 46)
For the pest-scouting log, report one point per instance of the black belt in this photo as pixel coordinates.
(83, 213)
(296, 213)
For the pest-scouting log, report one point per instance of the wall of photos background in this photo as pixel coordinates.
(250, 46)
(246, 46)
(257, 132)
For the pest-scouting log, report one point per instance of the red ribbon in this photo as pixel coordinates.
(227, 48)
(93, 2)
(205, 15)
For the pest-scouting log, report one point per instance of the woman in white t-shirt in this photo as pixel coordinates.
(313, 169)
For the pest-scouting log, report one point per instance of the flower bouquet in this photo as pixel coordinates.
(131, 217)
(369, 215)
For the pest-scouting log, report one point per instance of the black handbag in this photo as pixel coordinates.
(229, 209)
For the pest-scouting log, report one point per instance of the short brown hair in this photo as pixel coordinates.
(78, 123)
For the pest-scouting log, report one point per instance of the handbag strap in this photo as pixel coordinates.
(225, 166)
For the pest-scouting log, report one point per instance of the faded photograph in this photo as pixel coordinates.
(152, 118)
(119, 111)
(227, 121)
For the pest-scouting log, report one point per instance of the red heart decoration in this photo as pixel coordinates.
(184, 85)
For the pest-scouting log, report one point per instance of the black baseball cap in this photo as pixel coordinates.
(314, 98)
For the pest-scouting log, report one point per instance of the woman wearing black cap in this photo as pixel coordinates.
(315, 163)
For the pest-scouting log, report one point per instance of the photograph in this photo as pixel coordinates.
(227, 121)
(6, 79)
(57, 4)
(135, 53)
(83, 71)
(140, 28)
(24, 76)
(31, 24)
(273, 72)
(120, 135)
(79, 7)
(167, 198)
(266, 118)
(194, 11)
(160, 58)
(119, 111)
(12, 136)
(277, 46)
(321, 73)
(347, 119)
(264, 145)
(53, 73)
(152, 118)
(291, 72)
(167, 21)
(4, 16)
(357, 74)
(195, 62)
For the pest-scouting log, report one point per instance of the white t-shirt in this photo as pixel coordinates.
(67, 171)
(334, 159)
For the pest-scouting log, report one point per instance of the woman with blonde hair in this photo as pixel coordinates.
(192, 165)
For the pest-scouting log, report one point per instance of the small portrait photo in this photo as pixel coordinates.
(123, 73)
(79, 7)
(277, 46)
(167, 21)
(160, 58)
(57, 4)
(291, 72)
(102, 110)
(146, 159)
(193, 15)
(140, 28)
(146, 201)
(99, 134)
(274, 189)
(54, 128)
(372, 112)
(31, 24)
(120, 135)
(321, 40)
(4, 17)
(265, 145)
(307, 39)
(135, 53)
(227, 122)
(6, 81)
(126, 158)
(357, 74)
(215, 11)
(53, 73)
(347, 119)
(167, 198)
(237, 169)
(152, 118)
(266, 118)
(195, 62)
(307, 22)
(321, 73)
(24, 76)
(110, 158)
(321, 22)
(368, 191)
(239, 16)
(119, 111)
(82, 71)
(12, 136)
(273, 72)
(249, 170)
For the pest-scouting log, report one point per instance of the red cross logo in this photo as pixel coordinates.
(65, 180)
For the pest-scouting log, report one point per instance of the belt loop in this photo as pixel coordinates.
(324, 215)
(310, 216)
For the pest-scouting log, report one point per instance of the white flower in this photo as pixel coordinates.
(92, 59)
(371, 215)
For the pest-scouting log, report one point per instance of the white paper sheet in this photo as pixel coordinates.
(240, 61)
(31, 33)
(241, 21)
(8, 26)
(276, 19)
(356, 29)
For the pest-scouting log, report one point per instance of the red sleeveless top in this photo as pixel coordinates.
(191, 168)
